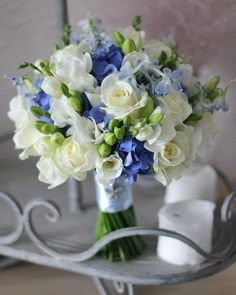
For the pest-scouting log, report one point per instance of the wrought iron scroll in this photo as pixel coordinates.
(25, 223)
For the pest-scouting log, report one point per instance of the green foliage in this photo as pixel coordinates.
(136, 22)
(25, 65)
(194, 117)
(37, 111)
(113, 123)
(119, 132)
(46, 128)
(128, 46)
(65, 38)
(104, 149)
(118, 38)
(156, 118)
(110, 138)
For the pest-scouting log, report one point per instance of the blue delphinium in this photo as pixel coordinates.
(136, 159)
(169, 82)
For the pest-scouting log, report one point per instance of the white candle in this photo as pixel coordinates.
(198, 182)
(194, 220)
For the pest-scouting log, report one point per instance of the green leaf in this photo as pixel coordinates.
(46, 128)
(128, 46)
(162, 57)
(65, 90)
(76, 103)
(56, 47)
(211, 84)
(156, 118)
(118, 38)
(195, 117)
(214, 94)
(28, 65)
(37, 111)
(136, 23)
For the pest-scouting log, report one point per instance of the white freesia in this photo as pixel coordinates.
(150, 132)
(61, 111)
(176, 106)
(135, 60)
(17, 112)
(26, 135)
(163, 134)
(71, 65)
(206, 129)
(85, 130)
(109, 168)
(51, 86)
(187, 72)
(120, 98)
(51, 172)
(154, 48)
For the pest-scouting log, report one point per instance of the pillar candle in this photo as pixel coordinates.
(194, 220)
(198, 182)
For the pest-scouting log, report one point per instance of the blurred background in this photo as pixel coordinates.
(205, 31)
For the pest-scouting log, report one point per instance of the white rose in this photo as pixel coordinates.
(75, 158)
(176, 106)
(50, 171)
(154, 48)
(51, 86)
(85, 130)
(108, 169)
(72, 67)
(61, 111)
(120, 98)
(175, 156)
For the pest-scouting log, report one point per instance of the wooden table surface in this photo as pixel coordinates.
(27, 279)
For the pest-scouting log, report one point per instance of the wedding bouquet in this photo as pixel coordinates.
(116, 104)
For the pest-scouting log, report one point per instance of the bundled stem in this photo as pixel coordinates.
(122, 249)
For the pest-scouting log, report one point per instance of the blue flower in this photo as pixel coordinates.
(42, 99)
(136, 159)
(92, 112)
(106, 63)
(169, 82)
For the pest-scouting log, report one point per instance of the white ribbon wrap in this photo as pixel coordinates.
(114, 197)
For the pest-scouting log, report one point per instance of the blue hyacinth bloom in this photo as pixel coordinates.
(92, 112)
(136, 159)
(106, 63)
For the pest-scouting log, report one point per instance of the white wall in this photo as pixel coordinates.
(204, 29)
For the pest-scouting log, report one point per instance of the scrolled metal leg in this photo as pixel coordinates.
(75, 196)
(119, 287)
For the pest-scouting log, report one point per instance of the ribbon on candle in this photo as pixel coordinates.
(114, 197)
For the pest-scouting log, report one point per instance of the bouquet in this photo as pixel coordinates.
(116, 104)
